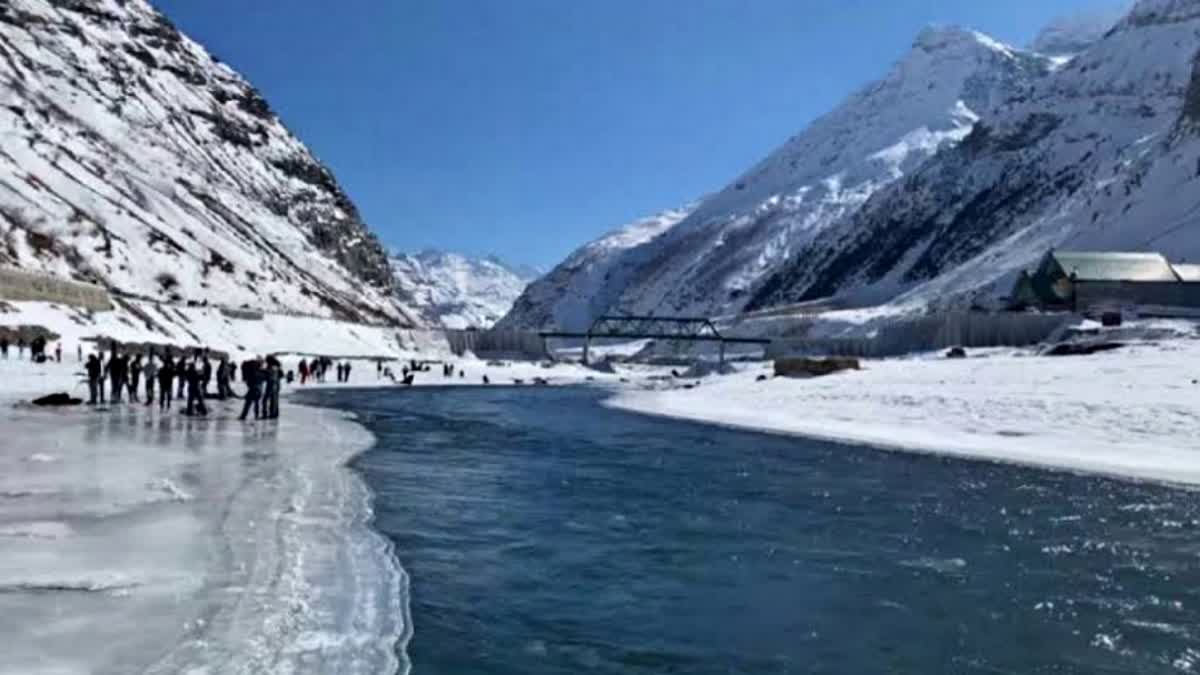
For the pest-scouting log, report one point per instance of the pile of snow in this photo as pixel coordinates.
(130, 157)
(456, 291)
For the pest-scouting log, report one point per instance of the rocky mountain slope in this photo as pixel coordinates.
(1102, 154)
(130, 157)
(592, 278)
(455, 291)
(713, 260)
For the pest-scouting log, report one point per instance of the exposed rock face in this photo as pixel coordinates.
(130, 157)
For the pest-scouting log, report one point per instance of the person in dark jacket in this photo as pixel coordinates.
(194, 375)
(95, 384)
(206, 374)
(251, 375)
(118, 369)
(272, 374)
(150, 372)
(166, 377)
(4, 347)
(223, 391)
(135, 377)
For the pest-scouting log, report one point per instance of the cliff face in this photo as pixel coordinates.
(130, 157)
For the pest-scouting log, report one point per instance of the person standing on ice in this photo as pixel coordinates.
(95, 384)
(347, 372)
(135, 377)
(20, 348)
(150, 370)
(4, 347)
(206, 373)
(58, 352)
(181, 370)
(79, 352)
(303, 368)
(251, 375)
(223, 390)
(165, 375)
(118, 368)
(194, 375)
(270, 399)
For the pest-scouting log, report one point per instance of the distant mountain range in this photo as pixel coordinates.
(933, 185)
(456, 291)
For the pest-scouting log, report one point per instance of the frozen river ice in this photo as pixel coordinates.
(136, 542)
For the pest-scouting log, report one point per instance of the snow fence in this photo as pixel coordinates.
(511, 344)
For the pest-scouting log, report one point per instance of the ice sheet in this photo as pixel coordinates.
(137, 542)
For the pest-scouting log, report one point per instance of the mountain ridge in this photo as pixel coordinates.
(132, 158)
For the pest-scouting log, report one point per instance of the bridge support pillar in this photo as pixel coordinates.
(587, 345)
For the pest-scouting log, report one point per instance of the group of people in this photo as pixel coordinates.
(187, 375)
(37, 349)
(317, 369)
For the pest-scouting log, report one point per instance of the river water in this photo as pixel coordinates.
(544, 533)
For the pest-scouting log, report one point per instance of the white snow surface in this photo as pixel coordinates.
(1134, 413)
(130, 157)
(456, 291)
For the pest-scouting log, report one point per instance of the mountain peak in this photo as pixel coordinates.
(1072, 34)
(458, 291)
(941, 37)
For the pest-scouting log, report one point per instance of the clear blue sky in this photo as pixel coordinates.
(527, 127)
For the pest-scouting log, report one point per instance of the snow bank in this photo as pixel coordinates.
(1131, 413)
(135, 321)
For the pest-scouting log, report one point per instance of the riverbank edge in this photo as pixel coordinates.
(396, 642)
(639, 403)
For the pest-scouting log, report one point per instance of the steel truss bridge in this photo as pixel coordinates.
(677, 328)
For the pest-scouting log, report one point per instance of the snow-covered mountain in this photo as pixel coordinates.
(1102, 154)
(712, 260)
(592, 278)
(129, 156)
(455, 291)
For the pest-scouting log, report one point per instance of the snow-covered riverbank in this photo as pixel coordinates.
(133, 541)
(1132, 413)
